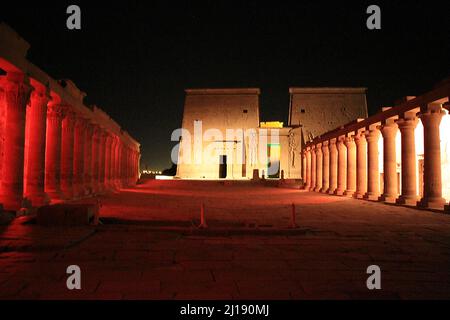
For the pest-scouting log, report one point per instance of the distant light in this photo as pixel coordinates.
(163, 177)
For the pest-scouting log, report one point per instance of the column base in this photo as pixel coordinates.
(339, 192)
(432, 203)
(371, 196)
(359, 195)
(38, 200)
(331, 191)
(387, 198)
(349, 193)
(306, 187)
(447, 209)
(317, 189)
(408, 201)
(324, 190)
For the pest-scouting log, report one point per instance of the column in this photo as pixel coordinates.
(101, 163)
(373, 170)
(389, 132)
(319, 168)
(68, 132)
(361, 165)
(304, 166)
(95, 163)
(308, 168)
(407, 125)
(36, 119)
(113, 163)
(55, 115)
(342, 167)
(88, 142)
(325, 167)
(108, 142)
(79, 157)
(118, 165)
(333, 167)
(17, 93)
(351, 167)
(432, 185)
(313, 168)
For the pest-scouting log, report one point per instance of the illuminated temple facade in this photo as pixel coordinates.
(54, 148)
(223, 137)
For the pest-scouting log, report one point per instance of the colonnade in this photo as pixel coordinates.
(345, 161)
(52, 146)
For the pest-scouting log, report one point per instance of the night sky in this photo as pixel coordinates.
(135, 58)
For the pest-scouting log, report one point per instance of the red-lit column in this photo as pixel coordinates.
(325, 167)
(17, 93)
(319, 167)
(373, 170)
(108, 142)
(351, 166)
(361, 165)
(35, 153)
(333, 167)
(313, 168)
(101, 164)
(55, 115)
(95, 161)
(431, 117)
(67, 153)
(308, 168)
(342, 167)
(113, 163)
(119, 165)
(87, 167)
(389, 132)
(407, 125)
(79, 156)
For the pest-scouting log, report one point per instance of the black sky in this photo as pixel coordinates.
(135, 58)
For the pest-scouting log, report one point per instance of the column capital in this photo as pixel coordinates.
(17, 89)
(54, 111)
(407, 122)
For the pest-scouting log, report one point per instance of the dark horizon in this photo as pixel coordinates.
(135, 60)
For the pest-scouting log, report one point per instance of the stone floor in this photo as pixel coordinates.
(149, 247)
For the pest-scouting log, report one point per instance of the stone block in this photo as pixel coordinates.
(68, 215)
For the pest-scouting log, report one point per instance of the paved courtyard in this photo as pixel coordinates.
(148, 247)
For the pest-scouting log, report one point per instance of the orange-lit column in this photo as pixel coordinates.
(351, 166)
(319, 167)
(325, 167)
(313, 168)
(95, 163)
(79, 157)
(333, 167)
(101, 164)
(431, 117)
(35, 154)
(17, 93)
(87, 167)
(55, 115)
(361, 165)
(389, 132)
(303, 166)
(373, 170)
(342, 167)
(108, 142)
(67, 152)
(308, 168)
(407, 125)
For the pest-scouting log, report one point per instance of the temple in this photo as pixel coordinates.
(53, 147)
(224, 138)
